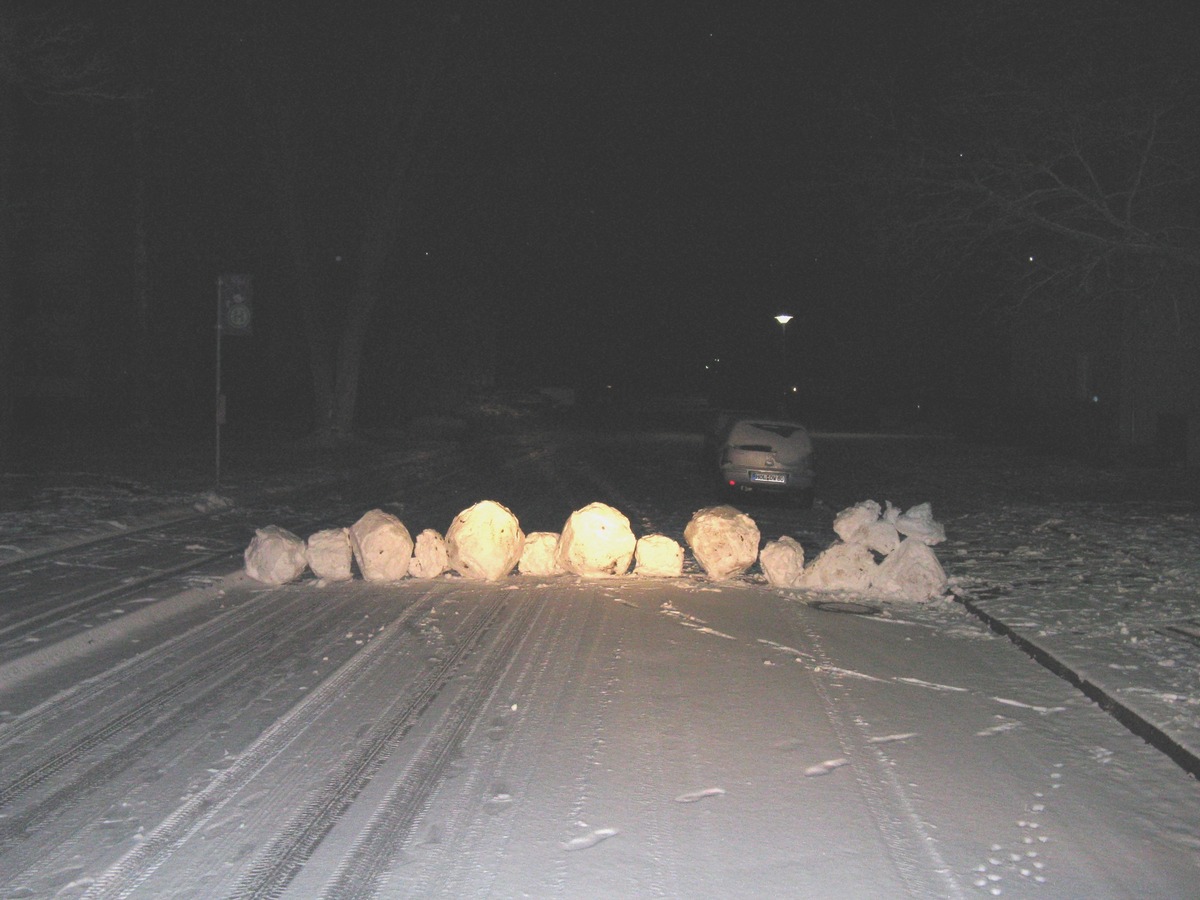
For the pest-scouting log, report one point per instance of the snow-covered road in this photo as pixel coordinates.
(565, 738)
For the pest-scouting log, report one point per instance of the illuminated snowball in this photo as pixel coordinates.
(539, 555)
(596, 541)
(657, 555)
(484, 542)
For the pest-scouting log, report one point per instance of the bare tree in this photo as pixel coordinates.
(1057, 160)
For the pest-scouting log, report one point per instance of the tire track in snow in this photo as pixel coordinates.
(912, 849)
(447, 866)
(413, 783)
(170, 709)
(124, 876)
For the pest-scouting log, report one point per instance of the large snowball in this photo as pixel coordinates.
(430, 557)
(723, 540)
(275, 556)
(782, 561)
(911, 573)
(539, 555)
(843, 567)
(485, 541)
(596, 540)
(382, 546)
(329, 554)
(918, 523)
(659, 556)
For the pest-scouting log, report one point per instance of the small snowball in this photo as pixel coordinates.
(658, 556)
(275, 556)
(782, 561)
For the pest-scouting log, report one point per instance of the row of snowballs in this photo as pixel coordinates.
(485, 543)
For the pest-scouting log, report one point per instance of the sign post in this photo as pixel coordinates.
(235, 316)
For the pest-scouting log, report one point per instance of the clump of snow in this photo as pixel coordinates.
(851, 523)
(657, 555)
(724, 541)
(275, 556)
(382, 546)
(485, 541)
(912, 572)
(918, 524)
(211, 501)
(843, 567)
(540, 554)
(909, 569)
(782, 561)
(329, 555)
(430, 556)
(861, 524)
(596, 540)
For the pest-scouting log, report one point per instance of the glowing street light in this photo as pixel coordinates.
(783, 319)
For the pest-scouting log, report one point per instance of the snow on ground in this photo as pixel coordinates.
(1097, 565)
(743, 714)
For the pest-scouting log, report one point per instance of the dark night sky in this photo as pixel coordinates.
(651, 175)
(607, 191)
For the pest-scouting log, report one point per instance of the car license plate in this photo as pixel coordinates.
(769, 477)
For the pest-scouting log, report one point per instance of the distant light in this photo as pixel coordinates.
(337, 258)
(1031, 259)
(783, 318)
(795, 390)
(1095, 398)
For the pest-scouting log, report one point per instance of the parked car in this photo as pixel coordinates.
(768, 455)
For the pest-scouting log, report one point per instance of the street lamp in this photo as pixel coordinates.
(783, 319)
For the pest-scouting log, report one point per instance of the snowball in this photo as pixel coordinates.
(485, 541)
(850, 524)
(275, 556)
(843, 567)
(918, 523)
(782, 561)
(912, 573)
(596, 540)
(538, 557)
(658, 555)
(430, 558)
(723, 540)
(382, 546)
(329, 554)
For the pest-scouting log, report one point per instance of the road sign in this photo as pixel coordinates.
(237, 310)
